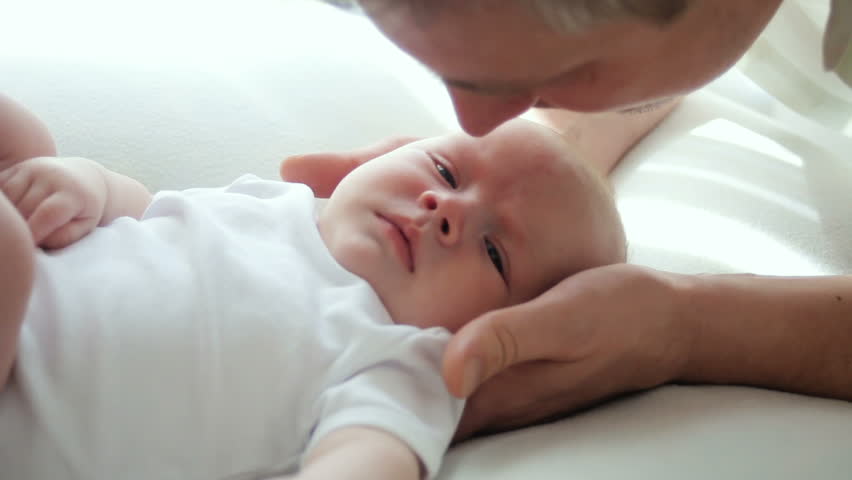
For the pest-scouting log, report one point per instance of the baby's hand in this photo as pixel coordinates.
(62, 199)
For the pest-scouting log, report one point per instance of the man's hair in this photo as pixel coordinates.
(568, 16)
(564, 16)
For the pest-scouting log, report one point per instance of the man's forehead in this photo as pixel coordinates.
(500, 47)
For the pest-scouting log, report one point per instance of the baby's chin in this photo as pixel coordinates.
(396, 308)
(406, 314)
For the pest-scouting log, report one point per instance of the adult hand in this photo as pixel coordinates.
(323, 171)
(599, 333)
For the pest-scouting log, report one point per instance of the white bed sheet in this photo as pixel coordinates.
(192, 93)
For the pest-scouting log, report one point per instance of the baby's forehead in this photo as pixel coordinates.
(527, 168)
(518, 155)
(532, 145)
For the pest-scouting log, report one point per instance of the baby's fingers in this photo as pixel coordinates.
(69, 233)
(30, 199)
(49, 216)
(15, 182)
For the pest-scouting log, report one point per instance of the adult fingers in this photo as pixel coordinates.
(323, 171)
(540, 329)
(534, 392)
(504, 402)
(494, 407)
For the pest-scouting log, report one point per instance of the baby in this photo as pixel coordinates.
(246, 333)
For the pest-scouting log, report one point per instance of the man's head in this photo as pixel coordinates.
(447, 228)
(500, 58)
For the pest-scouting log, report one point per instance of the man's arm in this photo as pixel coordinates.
(604, 138)
(786, 333)
(622, 328)
(22, 134)
(361, 453)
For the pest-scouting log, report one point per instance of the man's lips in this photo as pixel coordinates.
(400, 242)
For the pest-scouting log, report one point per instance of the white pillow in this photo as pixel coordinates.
(197, 92)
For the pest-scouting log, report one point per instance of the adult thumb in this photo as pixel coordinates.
(323, 171)
(484, 347)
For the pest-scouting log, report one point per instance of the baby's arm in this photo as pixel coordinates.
(50, 202)
(22, 134)
(63, 199)
(17, 263)
(361, 453)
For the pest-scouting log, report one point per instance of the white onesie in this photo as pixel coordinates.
(217, 338)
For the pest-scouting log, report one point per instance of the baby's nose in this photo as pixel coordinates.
(447, 215)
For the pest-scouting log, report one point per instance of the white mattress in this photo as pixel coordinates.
(193, 93)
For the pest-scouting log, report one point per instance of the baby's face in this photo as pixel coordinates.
(448, 228)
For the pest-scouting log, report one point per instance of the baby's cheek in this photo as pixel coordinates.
(470, 302)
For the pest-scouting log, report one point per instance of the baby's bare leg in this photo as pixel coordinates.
(17, 264)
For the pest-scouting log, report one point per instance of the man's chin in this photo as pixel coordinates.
(638, 108)
(543, 104)
(645, 107)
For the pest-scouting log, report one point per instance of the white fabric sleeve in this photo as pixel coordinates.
(403, 395)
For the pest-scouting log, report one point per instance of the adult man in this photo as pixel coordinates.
(620, 328)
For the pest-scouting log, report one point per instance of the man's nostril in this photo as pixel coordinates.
(445, 226)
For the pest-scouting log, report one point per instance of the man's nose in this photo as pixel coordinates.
(479, 113)
(447, 216)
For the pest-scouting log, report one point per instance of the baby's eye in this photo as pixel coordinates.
(496, 259)
(446, 173)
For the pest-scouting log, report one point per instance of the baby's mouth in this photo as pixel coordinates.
(400, 242)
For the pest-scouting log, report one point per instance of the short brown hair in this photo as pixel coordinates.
(566, 16)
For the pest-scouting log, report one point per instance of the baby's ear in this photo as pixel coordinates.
(323, 171)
